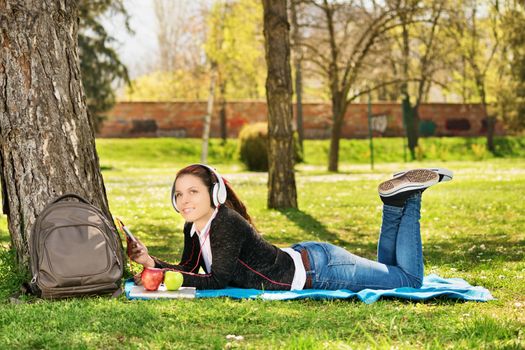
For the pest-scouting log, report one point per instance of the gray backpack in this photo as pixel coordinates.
(74, 251)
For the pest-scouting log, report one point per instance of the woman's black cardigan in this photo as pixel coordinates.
(234, 242)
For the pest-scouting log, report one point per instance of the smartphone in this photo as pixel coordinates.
(126, 231)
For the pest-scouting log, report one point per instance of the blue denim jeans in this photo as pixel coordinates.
(399, 255)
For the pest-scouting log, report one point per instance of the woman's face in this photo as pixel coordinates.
(193, 200)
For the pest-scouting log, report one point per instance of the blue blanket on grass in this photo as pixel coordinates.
(433, 286)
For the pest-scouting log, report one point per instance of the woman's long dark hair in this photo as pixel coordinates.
(209, 179)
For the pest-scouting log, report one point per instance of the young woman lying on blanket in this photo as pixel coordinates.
(220, 238)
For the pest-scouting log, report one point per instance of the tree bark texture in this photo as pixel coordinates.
(281, 177)
(47, 140)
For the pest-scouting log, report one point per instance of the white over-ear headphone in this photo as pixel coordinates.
(218, 193)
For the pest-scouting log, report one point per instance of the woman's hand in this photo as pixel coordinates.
(139, 253)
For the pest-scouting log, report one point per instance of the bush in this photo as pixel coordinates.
(253, 147)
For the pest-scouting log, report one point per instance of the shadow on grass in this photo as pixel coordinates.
(106, 167)
(472, 252)
(310, 224)
(462, 252)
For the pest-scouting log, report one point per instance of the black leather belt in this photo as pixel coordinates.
(306, 263)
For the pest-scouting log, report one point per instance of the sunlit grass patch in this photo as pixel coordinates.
(472, 227)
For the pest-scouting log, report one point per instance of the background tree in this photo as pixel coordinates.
(297, 54)
(475, 29)
(406, 18)
(338, 40)
(417, 54)
(214, 50)
(100, 65)
(228, 32)
(432, 51)
(235, 44)
(181, 70)
(173, 20)
(181, 33)
(167, 86)
(282, 192)
(511, 77)
(47, 140)
(209, 112)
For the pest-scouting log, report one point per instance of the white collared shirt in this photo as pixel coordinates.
(299, 277)
(204, 239)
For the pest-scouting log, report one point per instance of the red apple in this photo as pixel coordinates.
(152, 278)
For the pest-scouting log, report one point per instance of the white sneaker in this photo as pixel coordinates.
(412, 180)
(444, 174)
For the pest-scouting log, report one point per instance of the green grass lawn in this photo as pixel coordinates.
(472, 227)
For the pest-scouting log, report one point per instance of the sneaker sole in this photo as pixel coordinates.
(416, 179)
(446, 174)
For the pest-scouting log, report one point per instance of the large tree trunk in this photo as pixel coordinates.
(47, 140)
(281, 178)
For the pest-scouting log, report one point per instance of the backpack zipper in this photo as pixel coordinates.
(116, 258)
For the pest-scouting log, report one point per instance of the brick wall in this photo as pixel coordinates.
(184, 119)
